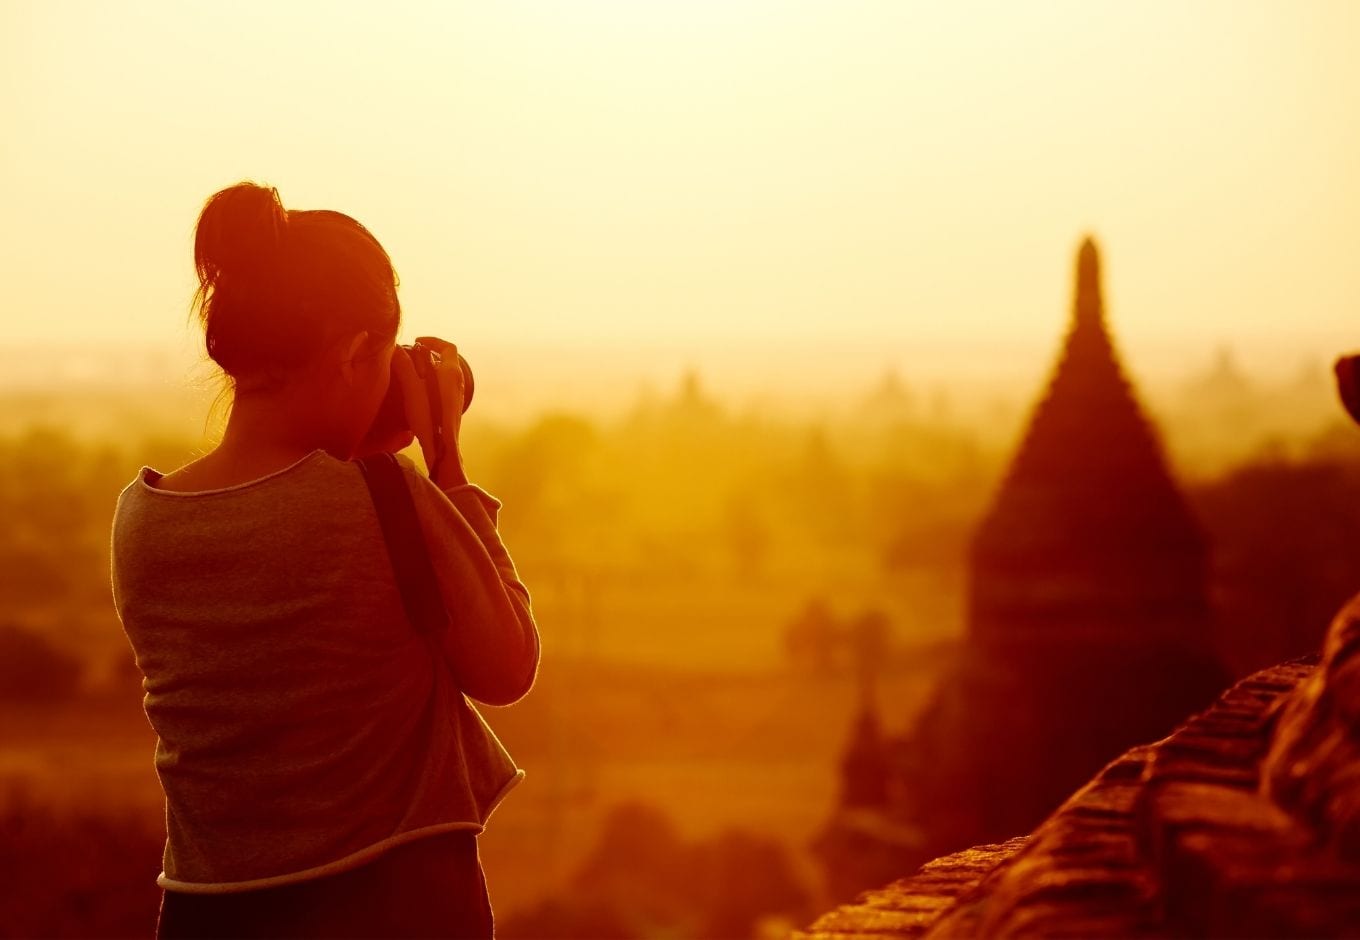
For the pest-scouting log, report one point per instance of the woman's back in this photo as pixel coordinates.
(304, 725)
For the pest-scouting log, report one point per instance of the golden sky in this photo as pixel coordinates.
(807, 189)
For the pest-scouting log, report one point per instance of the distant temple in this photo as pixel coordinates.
(1088, 616)
(1088, 541)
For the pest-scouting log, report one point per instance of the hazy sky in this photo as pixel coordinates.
(799, 191)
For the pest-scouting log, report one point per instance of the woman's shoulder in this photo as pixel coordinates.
(429, 496)
(408, 465)
(421, 486)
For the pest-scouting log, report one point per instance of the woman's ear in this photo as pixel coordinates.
(350, 352)
(356, 344)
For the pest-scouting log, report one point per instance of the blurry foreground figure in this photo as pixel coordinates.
(1313, 768)
(311, 613)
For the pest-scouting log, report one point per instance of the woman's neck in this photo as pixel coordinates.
(275, 426)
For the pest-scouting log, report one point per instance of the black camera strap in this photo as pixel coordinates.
(436, 397)
(406, 548)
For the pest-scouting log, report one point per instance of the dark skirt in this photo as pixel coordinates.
(430, 887)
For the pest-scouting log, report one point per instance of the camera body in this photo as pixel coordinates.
(390, 421)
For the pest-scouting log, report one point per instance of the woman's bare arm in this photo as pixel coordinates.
(492, 642)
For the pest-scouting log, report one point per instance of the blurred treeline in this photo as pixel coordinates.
(687, 501)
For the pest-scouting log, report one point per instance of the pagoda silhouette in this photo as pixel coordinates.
(1088, 540)
(1087, 610)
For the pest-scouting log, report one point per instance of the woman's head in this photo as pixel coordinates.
(296, 302)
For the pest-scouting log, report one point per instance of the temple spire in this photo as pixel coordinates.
(1088, 307)
(1089, 533)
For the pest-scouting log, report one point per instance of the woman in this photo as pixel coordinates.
(324, 774)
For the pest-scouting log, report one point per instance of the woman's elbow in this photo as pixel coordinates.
(506, 689)
(510, 681)
(526, 682)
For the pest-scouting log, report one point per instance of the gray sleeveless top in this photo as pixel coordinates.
(303, 725)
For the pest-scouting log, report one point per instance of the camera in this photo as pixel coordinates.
(390, 421)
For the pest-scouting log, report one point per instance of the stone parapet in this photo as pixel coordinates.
(1172, 838)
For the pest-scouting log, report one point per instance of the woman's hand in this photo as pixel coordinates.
(445, 470)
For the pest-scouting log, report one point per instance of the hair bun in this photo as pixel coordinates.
(239, 235)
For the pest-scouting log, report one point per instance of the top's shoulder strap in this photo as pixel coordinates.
(406, 547)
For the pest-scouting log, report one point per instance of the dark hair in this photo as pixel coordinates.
(275, 285)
